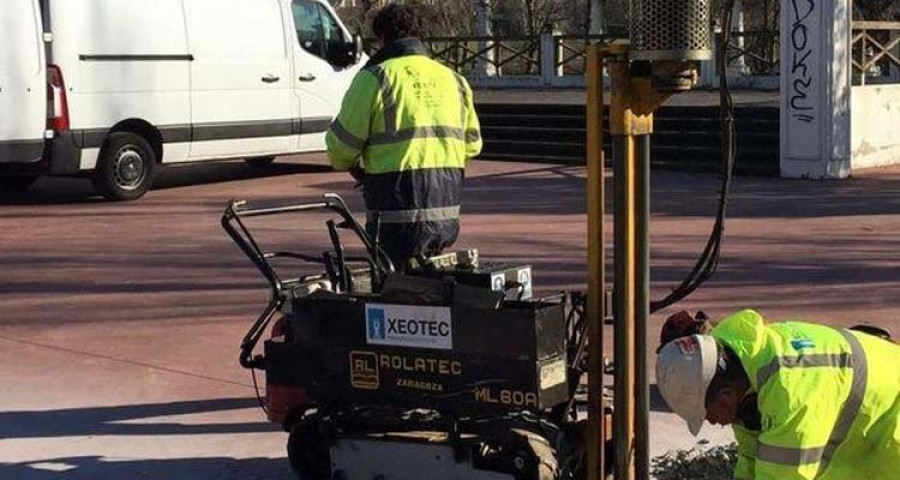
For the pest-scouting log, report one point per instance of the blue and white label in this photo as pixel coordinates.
(409, 326)
(803, 344)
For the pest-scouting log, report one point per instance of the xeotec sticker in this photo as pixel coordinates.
(409, 326)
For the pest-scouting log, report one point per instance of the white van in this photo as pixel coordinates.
(115, 87)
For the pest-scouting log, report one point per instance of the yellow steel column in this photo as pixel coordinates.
(623, 168)
(596, 434)
(630, 388)
(623, 426)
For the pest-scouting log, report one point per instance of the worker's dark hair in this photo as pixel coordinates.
(394, 22)
(683, 324)
(729, 372)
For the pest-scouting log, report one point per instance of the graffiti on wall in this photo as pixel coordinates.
(801, 102)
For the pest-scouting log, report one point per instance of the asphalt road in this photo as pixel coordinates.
(119, 322)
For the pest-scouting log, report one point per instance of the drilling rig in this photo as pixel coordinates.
(450, 368)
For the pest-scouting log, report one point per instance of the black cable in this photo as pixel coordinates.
(708, 261)
(262, 404)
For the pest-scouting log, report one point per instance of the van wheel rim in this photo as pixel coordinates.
(129, 170)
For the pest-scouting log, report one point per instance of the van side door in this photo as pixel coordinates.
(322, 71)
(240, 79)
(23, 82)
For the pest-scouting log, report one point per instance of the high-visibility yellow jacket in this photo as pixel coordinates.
(829, 401)
(411, 123)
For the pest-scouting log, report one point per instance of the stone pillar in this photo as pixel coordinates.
(709, 76)
(550, 52)
(894, 68)
(738, 66)
(484, 65)
(815, 88)
(598, 17)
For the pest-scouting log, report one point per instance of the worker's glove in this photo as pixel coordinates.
(358, 174)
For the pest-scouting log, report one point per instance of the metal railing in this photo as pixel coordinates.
(553, 60)
(519, 55)
(473, 56)
(571, 51)
(875, 50)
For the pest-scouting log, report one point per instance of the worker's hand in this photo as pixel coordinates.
(358, 174)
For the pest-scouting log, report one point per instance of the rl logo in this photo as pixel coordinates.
(364, 371)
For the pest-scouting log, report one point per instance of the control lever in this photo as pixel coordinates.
(341, 264)
(331, 272)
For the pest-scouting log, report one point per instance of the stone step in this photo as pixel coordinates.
(691, 160)
(577, 136)
(661, 123)
(688, 137)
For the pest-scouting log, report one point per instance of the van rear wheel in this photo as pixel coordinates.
(125, 168)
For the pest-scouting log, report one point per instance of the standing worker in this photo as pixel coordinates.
(406, 129)
(806, 401)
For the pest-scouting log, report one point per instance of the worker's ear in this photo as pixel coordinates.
(748, 412)
(729, 397)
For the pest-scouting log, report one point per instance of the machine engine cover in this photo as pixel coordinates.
(355, 349)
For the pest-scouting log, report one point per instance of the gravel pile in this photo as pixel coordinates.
(715, 463)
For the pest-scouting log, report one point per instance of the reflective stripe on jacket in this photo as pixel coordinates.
(829, 401)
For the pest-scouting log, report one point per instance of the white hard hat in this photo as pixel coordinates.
(684, 370)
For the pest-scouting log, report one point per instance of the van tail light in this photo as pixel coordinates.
(57, 104)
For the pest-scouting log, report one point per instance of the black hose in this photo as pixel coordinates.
(708, 261)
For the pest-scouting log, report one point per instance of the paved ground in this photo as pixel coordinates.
(119, 322)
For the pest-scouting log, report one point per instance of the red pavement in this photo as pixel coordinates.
(119, 322)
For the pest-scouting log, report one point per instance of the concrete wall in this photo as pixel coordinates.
(875, 111)
(815, 89)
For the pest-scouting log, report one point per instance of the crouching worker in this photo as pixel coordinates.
(806, 401)
(406, 129)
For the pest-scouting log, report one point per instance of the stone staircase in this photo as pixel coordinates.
(687, 137)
